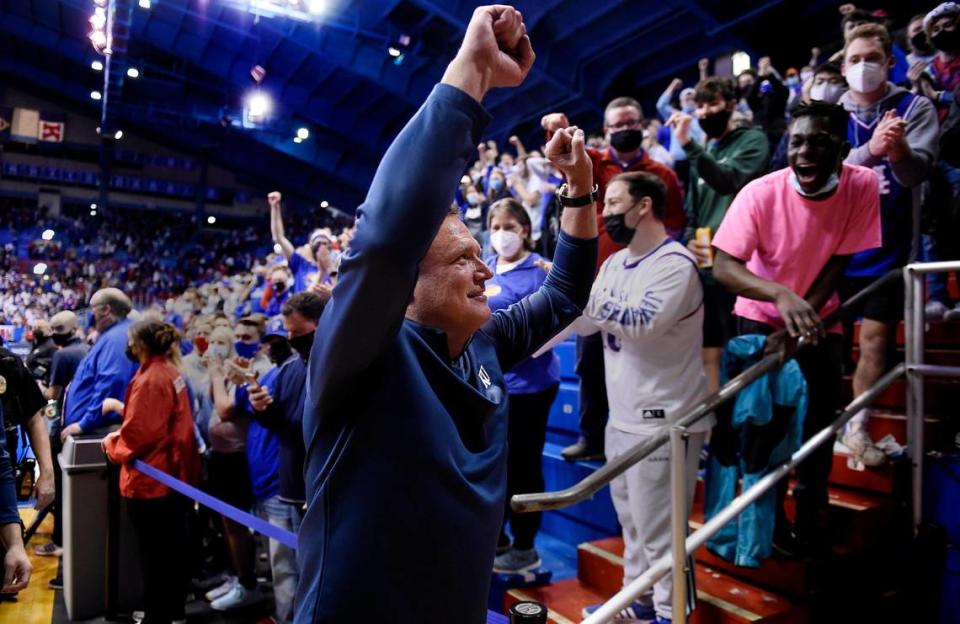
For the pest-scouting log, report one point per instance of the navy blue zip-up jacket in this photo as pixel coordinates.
(406, 451)
(283, 418)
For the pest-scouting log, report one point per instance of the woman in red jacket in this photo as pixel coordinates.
(158, 430)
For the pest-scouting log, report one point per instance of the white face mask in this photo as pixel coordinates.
(827, 92)
(505, 243)
(832, 182)
(220, 351)
(866, 77)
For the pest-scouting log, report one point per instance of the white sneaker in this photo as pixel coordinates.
(238, 596)
(862, 447)
(934, 310)
(221, 590)
(952, 315)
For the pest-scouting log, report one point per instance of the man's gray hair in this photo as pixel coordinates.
(120, 304)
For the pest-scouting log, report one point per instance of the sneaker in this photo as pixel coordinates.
(237, 598)
(516, 561)
(636, 611)
(221, 590)
(56, 582)
(934, 310)
(48, 550)
(583, 451)
(862, 447)
(952, 315)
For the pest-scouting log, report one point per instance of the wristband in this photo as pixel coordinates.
(577, 202)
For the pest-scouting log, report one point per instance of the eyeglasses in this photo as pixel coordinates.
(625, 125)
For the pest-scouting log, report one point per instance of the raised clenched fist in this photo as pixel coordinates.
(273, 198)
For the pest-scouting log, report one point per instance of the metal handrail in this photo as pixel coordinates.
(664, 565)
(594, 482)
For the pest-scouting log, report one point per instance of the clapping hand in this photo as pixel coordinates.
(680, 122)
(889, 139)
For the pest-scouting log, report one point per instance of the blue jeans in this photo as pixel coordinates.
(283, 559)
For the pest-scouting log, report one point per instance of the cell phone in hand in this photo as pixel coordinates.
(251, 379)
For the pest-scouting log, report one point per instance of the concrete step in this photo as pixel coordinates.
(721, 598)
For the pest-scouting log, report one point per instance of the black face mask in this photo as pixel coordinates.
(715, 124)
(133, 356)
(626, 140)
(279, 287)
(946, 40)
(920, 43)
(61, 339)
(302, 345)
(280, 350)
(616, 227)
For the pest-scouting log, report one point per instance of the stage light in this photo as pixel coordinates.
(211, 219)
(297, 139)
(324, 204)
(118, 135)
(93, 213)
(740, 62)
(99, 18)
(96, 95)
(303, 134)
(39, 268)
(96, 66)
(93, 206)
(258, 105)
(47, 235)
(144, 4)
(394, 51)
(133, 72)
(315, 7)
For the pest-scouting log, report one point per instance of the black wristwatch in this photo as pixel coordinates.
(577, 202)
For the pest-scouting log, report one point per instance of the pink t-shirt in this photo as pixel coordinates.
(788, 239)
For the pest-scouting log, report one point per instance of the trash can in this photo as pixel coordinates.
(87, 545)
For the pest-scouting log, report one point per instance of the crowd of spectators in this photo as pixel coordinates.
(714, 201)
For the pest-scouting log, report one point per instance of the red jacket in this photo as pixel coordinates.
(157, 429)
(606, 166)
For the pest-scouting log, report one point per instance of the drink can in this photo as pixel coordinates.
(705, 236)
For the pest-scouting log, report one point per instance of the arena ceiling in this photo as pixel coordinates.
(329, 68)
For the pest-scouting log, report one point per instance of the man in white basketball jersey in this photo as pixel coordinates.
(647, 301)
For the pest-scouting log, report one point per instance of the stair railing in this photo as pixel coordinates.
(594, 482)
(914, 324)
(682, 545)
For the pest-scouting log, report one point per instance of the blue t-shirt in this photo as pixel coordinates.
(304, 272)
(505, 289)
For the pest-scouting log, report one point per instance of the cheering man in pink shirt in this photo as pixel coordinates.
(782, 249)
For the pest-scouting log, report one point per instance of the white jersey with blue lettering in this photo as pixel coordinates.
(650, 311)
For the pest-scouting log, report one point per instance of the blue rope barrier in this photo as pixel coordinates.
(238, 515)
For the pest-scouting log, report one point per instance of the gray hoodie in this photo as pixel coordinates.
(923, 130)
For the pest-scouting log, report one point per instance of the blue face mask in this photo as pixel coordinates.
(91, 320)
(246, 350)
(186, 347)
(690, 109)
(496, 184)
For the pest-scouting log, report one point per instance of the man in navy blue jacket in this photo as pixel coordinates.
(405, 414)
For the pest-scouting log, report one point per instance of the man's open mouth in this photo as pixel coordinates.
(806, 174)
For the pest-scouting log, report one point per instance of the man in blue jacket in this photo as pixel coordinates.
(105, 371)
(405, 414)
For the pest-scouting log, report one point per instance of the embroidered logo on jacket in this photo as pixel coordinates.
(652, 413)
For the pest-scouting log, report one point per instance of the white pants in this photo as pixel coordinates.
(641, 497)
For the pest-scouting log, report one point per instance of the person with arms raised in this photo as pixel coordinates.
(405, 418)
